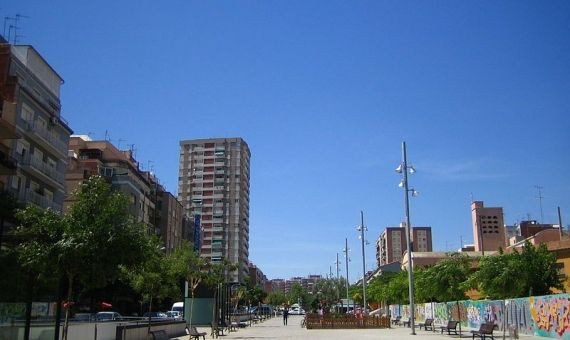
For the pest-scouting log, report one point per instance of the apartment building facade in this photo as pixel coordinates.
(392, 244)
(488, 227)
(33, 134)
(213, 186)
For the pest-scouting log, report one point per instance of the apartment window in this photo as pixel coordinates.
(27, 113)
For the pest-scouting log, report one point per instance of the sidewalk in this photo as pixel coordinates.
(274, 329)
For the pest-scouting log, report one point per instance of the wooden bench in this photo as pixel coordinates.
(396, 320)
(427, 324)
(217, 329)
(194, 334)
(160, 335)
(451, 327)
(486, 329)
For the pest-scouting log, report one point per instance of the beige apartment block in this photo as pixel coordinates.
(213, 183)
(392, 244)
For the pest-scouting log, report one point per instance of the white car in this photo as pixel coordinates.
(297, 311)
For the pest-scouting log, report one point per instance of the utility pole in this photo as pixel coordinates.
(560, 224)
(346, 260)
(540, 197)
(363, 262)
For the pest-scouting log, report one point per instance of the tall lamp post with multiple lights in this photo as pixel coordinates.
(403, 169)
(362, 228)
(346, 250)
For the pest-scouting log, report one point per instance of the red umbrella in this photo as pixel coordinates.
(105, 305)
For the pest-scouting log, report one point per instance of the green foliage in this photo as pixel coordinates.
(534, 268)
(398, 288)
(448, 278)
(275, 298)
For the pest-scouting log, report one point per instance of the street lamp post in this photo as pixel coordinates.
(403, 168)
(362, 229)
(346, 261)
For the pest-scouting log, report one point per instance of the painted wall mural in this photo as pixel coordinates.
(547, 316)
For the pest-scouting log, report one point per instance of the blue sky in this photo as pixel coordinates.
(324, 92)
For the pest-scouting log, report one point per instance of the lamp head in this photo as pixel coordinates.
(412, 169)
(415, 193)
(399, 169)
(401, 185)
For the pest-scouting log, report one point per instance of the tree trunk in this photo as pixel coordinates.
(67, 310)
(191, 307)
(60, 290)
(29, 299)
(459, 316)
(149, 316)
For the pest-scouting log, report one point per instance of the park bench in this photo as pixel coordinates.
(396, 320)
(159, 335)
(217, 329)
(451, 326)
(427, 324)
(406, 322)
(486, 329)
(194, 334)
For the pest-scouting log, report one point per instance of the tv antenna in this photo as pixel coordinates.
(119, 143)
(540, 197)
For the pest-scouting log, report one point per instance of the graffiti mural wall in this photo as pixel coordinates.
(547, 316)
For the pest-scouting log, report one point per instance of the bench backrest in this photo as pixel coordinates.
(487, 328)
(159, 335)
(193, 331)
(428, 322)
(452, 324)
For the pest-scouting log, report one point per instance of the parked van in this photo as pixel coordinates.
(178, 307)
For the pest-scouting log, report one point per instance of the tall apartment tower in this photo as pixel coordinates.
(391, 244)
(488, 227)
(33, 134)
(213, 186)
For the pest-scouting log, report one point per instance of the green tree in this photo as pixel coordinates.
(275, 298)
(37, 249)
(540, 270)
(398, 288)
(8, 207)
(534, 267)
(192, 268)
(155, 277)
(99, 236)
(217, 276)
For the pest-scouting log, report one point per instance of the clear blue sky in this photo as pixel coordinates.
(324, 92)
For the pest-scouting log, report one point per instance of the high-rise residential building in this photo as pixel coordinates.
(213, 186)
(33, 134)
(488, 227)
(256, 276)
(391, 244)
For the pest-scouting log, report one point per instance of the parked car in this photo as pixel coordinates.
(297, 311)
(108, 316)
(83, 317)
(155, 315)
(174, 314)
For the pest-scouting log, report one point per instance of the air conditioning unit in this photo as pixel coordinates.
(53, 120)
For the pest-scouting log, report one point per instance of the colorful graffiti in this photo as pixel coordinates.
(551, 314)
(547, 316)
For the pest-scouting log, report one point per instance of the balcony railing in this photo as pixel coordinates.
(42, 167)
(48, 137)
(31, 196)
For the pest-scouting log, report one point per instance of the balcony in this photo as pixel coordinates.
(30, 196)
(48, 172)
(8, 164)
(46, 139)
(7, 129)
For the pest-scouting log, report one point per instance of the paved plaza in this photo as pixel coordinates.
(274, 329)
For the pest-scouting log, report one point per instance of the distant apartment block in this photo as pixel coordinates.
(149, 202)
(527, 229)
(392, 244)
(213, 186)
(256, 276)
(488, 227)
(33, 134)
(285, 285)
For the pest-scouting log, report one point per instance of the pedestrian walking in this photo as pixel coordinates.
(285, 315)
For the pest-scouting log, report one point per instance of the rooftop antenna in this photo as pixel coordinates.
(119, 143)
(107, 138)
(540, 197)
(6, 21)
(16, 27)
